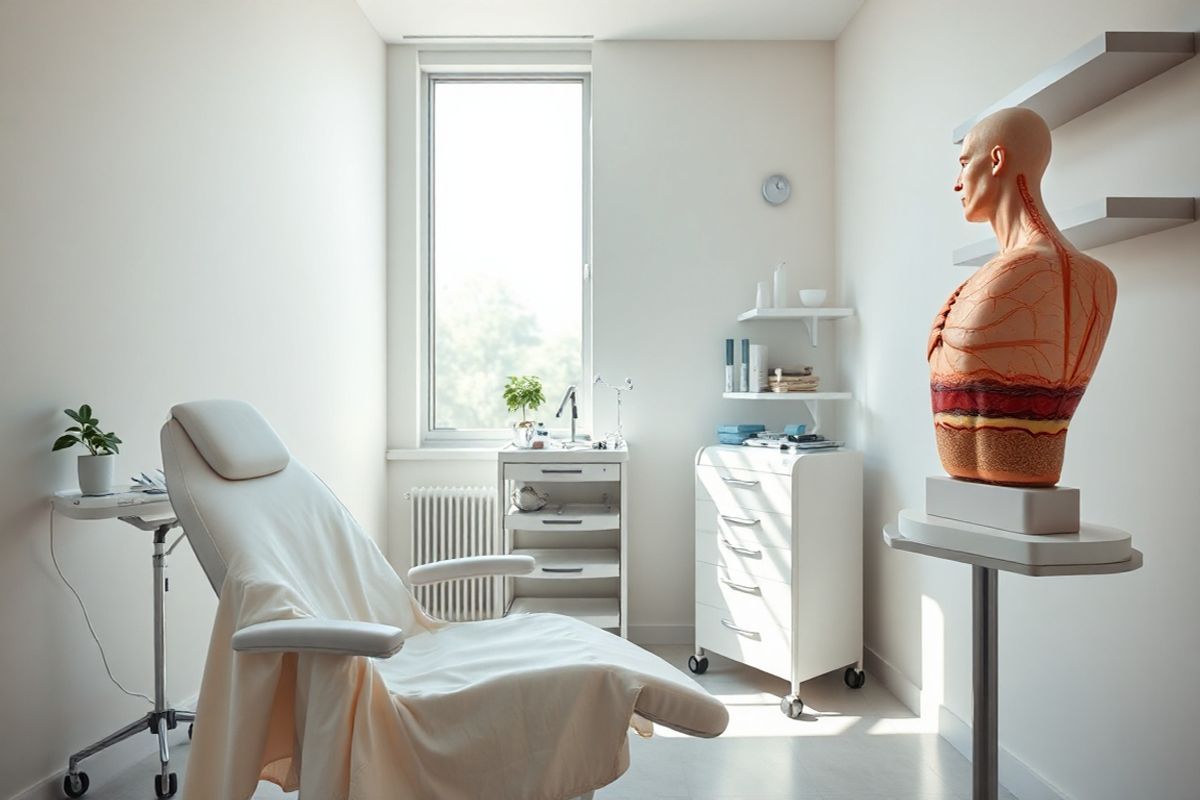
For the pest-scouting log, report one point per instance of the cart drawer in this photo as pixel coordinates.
(735, 491)
(748, 528)
(769, 563)
(753, 602)
(766, 647)
(562, 473)
(569, 517)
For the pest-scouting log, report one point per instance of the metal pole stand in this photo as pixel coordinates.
(163, 718)
(985, 781)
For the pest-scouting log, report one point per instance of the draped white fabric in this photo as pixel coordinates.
(522, 708)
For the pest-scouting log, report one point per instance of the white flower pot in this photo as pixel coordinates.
(523, 434)
(96, 474)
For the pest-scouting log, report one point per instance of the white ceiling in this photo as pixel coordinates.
(611, 19)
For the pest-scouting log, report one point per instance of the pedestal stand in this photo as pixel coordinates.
(133, 508)
(1089, 550)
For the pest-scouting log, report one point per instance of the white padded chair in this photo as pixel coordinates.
(249, 508)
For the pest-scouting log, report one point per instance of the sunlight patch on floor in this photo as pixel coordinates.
(907, 725)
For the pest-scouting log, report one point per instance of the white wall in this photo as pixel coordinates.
(683, 135)
(1095, 694)
(191, 205)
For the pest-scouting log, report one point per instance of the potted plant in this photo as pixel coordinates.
(96, 469)
(523, 392)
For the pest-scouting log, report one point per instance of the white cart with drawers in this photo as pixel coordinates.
(578, 539)
(779, 542)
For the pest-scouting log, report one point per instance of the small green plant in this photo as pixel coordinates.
(524, 392)
(87, 433)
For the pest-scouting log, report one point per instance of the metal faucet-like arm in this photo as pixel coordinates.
(569, 395)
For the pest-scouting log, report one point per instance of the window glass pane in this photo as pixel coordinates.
(507, 244)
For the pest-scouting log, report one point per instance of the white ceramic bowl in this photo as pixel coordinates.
(812, 297)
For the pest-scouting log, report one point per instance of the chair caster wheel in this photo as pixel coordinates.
(854, 678)
(792, 706)
(191, 725)
(698, 665)
(76, 785)
(166, 788)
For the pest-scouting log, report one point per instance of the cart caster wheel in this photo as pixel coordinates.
(792, 705)
(76, 785)
(191, 725)
(854, 678)
(166, 788)
(698, 665)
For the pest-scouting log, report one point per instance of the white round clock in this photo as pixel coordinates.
(776, 189)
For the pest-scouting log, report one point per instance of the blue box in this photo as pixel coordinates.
(752, 428)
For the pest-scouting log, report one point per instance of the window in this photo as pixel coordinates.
(507, 245)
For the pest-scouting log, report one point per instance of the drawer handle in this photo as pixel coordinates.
(740, 520)
(739, 481)
(743, 631)
(562, 522)
(744, 551)
(741, 587)
(562, 569)
(562, 471)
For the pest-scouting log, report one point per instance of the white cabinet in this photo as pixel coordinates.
(578, 540)
(779, 562)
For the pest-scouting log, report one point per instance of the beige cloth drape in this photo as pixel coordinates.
(522, 708)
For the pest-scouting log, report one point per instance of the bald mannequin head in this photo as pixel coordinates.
(1001, 147)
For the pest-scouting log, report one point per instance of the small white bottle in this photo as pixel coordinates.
(758, 368)
(763, 298)
(781, 287)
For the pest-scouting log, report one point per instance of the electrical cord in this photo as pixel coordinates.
(87, 618)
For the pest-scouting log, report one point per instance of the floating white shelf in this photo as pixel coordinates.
(603, 612)
(1107, 66)
(794, 313)
(806, 396)
(1101, 222)
(565, 563)
(809, 316)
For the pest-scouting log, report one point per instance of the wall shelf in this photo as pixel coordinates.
(794, 313)
(1104, 68)
(806, 396)
(809, 316)
(1101, 222)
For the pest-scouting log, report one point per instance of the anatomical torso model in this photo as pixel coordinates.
(1013, 348)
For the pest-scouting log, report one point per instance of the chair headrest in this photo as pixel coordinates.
(235, 440)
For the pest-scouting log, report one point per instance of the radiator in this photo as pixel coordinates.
(455, 522)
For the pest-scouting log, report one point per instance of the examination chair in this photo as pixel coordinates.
(325, 675)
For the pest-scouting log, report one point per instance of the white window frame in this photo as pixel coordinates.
(461, 437)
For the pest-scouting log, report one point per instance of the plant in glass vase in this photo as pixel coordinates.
(97, 468)
(523, 392)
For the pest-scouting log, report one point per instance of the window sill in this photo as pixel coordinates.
(476, 453)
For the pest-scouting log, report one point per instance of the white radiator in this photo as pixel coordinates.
(455, 522)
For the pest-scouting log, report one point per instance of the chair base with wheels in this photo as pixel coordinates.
(163, 718)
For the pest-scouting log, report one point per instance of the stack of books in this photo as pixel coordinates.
(795, 380)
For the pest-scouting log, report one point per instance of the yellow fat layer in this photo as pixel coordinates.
(971, 422)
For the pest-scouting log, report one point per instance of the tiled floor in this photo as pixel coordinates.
(850, 745)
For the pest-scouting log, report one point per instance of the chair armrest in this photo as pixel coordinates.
(474, 567)
(338, 636)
